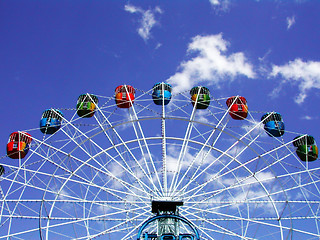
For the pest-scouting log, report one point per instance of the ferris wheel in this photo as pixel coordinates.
(152, 165)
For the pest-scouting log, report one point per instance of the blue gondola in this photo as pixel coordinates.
(50, 121)
(273, 124)
(161, 93)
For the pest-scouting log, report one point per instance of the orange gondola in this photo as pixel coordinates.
(238, 108)
(124, 96)
(18, 145)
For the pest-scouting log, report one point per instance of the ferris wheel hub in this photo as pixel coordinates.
(160, 207)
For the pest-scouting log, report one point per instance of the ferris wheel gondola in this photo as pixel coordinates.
(156, 165)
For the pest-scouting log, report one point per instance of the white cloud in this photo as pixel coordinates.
(215, 2)
(304, 74)
(256, 128)
(132, 9)
(158, 9)
(212, 65)
(202, 116)
(261, 177)
(147, 21)
(249, 188)
(264, 57)
(189, 159)
(290, 22)
(158, 46)
(220, 5)
(309, 118)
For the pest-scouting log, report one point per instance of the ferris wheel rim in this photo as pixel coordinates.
(142, 138)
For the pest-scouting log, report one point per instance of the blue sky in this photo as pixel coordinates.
(53, 51)
(265, 50)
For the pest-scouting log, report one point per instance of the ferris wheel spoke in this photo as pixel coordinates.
(119, 229)
(217, 111)
(17, 206)
(264, 221)
(195, 175)
(221, 231)
(102, 170)
(144, 108)
(4, 206)
(86, 182)
(164, 149)
(266, 194)
(127, 167)
(304, 191)
(115, 226)
(106, 170)
(134, 119)
(62, 195)
(100, 215)
(213, 227)
(225, 153)
(183, 149)
(174, 108)
(291, 175)
(205, 231)
(97, 218)
(221, 175)
(213, 224)
(16, 235)
(255, 199)
(130, 233)
(241, 183)
(63, 187)
(14, 180)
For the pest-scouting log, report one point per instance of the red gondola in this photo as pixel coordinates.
(18, 145)
(124, 96)
(238, 108)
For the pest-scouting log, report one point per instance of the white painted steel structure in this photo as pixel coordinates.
(95, 178)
